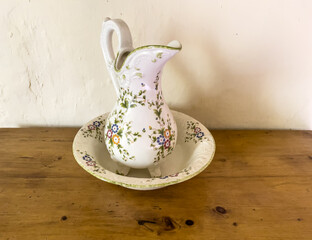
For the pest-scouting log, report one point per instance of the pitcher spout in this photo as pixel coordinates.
(175, 44)
(165, 53)
(153, 56)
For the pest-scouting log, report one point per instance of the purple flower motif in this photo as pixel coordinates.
(96, 123)
(200, 134)
(164, 177)
(87, 158)
(161, 140)
(115, 128)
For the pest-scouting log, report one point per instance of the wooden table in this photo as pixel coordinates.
(259, 186)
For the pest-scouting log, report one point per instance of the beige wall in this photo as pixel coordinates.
(244, 64)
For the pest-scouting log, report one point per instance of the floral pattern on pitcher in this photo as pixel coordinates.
(116, 128)
(113, 135)
(163, 138)
(194, 132)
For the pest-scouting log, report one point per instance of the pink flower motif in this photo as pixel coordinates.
(91, 163)
(91, 127)
(109, 133)
(174, 175)
(197, 130)
(167, 144)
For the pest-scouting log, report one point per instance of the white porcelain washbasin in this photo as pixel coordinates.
(193, 153)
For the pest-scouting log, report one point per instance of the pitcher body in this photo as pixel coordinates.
(140, 131)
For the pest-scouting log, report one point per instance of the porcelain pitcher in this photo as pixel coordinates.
(140, 131)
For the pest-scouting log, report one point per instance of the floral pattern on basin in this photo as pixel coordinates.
(90, 163)
(94, 129)
(194, 133)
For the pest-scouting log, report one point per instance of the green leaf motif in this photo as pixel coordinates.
(124, 104)
(120, 132)
(159, 55)
(157, 112)
(139, 74)
(162, 131)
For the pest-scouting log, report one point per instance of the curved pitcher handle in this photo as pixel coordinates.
(125, 45)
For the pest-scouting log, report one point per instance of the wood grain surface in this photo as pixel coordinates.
(259, 186)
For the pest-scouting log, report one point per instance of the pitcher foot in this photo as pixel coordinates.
(155, 171)
(122, 169)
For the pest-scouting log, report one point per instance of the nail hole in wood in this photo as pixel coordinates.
(189, 222)
(220, 210)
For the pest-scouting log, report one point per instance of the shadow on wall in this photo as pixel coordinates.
(218, 94)
(226, 97)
